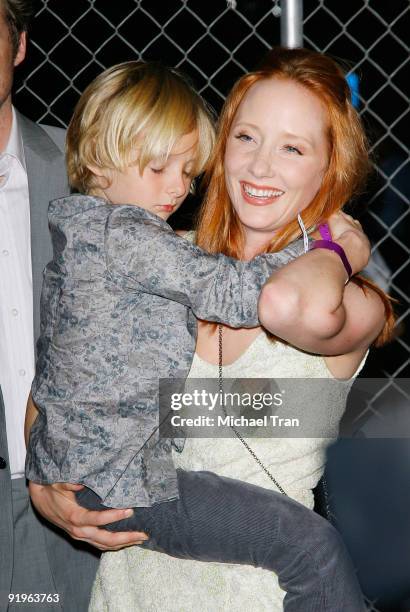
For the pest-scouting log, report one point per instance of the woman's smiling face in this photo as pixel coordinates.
(276, 154)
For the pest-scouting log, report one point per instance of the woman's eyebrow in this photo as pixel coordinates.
(298, 137)
(286, 134)
(241, 123)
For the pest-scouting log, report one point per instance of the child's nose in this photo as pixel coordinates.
(177, 187)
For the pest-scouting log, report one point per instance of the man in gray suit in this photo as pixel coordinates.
(35, 558)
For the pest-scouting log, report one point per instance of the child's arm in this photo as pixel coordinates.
(145, 254)
(31, 415)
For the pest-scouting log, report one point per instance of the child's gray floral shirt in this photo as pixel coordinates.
(119, 303)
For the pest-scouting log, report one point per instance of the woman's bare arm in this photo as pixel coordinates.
(307, 303)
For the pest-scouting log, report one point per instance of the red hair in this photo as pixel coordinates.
(219, 229)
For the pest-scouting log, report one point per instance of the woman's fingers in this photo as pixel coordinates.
(351, 219)
(68, 486)
(348, 232)
(58, 504)
(107, 540)
(341, 222)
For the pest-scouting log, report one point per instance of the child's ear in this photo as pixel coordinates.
(102, 175)
(98, 171)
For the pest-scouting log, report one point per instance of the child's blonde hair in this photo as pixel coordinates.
(132, 113)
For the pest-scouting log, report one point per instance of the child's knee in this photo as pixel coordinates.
(326, 536)
(327, 549)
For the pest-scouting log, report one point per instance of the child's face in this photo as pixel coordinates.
(163, 185)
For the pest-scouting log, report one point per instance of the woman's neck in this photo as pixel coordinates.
(255, 244)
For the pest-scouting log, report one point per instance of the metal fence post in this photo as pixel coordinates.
(291, 23)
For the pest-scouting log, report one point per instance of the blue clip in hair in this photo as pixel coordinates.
(353, 82)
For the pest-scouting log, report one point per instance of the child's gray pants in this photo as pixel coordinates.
(226, 520)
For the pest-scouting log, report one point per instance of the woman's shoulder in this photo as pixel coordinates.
(187, 234)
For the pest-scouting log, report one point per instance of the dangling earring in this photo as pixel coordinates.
(305, 234)
(192, 187)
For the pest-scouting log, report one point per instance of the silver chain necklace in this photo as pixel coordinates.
(236, 432)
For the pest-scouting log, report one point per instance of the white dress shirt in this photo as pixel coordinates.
(16, 296)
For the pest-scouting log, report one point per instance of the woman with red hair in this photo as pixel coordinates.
(290, 153)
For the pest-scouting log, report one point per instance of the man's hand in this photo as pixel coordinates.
(57, 503)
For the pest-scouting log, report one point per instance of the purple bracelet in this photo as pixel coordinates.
(324, 231)
(327, 243)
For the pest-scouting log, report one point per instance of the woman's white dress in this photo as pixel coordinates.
(137, 579)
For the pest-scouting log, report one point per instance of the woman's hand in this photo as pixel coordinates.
(57, 503)
(348, 233)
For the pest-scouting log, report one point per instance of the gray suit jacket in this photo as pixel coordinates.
(47, 179)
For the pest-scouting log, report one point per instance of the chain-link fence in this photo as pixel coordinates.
(371, 37)
(216, 42)
(71, 42)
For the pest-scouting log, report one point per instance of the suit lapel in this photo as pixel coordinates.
(46, 181)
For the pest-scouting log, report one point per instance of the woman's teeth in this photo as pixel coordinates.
(262, 193)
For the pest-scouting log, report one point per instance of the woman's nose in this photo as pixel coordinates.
(262, 164)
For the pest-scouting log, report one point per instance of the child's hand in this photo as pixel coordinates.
(57, 503)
